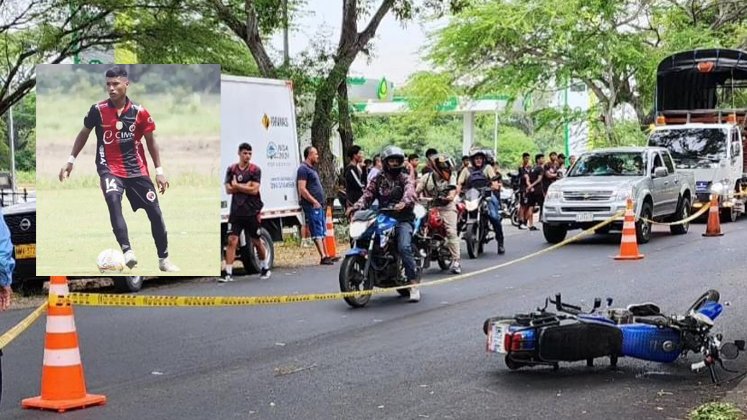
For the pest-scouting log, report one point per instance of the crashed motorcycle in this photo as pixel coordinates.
(430, 237)
(639, 331)
(374, 261)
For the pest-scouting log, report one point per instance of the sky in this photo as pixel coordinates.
(396, 52)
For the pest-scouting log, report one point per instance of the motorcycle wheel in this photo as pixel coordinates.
(352, 280)
(444, 263)
(515, 216)
(511, 365)
(711, 295)
(470, 236)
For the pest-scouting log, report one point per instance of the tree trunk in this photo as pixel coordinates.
(344, 126)
(321, 130)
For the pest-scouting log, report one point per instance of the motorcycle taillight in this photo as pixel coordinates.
(513, 341)
(507, 341)
(434, 220)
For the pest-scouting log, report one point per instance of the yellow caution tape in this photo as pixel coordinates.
(692, 217)
(138, 301)
(14, 332)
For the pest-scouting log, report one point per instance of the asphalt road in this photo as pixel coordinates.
(392, 359)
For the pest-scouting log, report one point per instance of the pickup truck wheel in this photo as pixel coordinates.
(554, 234)
(683, 212)
(728, 215)
(642, 227)
(128, 284)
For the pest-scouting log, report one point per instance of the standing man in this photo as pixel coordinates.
(354, 181)
(7, 264)
(121, 164)
(375, 169)
(535, 195)
(312, 201)
(242, 182)
(551, 174)
(524, 170)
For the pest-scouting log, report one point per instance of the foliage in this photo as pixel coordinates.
(716, 411)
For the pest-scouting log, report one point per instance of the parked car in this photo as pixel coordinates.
(600, 183)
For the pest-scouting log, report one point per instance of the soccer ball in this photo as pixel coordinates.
(110, 261)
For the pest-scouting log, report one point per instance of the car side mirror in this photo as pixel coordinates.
(660, 172)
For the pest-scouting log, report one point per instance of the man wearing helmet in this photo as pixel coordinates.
(479, 175)
(394, 188)
(432, 186)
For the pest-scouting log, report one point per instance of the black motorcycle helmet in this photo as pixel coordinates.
(393, 160)
(443, 166)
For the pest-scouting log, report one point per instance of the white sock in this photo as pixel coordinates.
(264, 264)
(229, 270)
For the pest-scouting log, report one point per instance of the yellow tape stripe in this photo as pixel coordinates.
(86, 299)
(683, 221)
(14, 332)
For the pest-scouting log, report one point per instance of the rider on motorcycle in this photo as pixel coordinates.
(479, 175)
(394, 188)
(431, 186)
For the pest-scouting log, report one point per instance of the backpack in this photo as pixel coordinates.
(477, 178)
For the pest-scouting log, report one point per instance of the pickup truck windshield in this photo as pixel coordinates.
(610, 164)
(692, 147)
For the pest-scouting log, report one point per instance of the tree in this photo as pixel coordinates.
(247, 24)
(613, 47)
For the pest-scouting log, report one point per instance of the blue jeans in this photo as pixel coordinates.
(494, 214)
(404, 247)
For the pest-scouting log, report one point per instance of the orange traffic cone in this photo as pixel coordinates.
(329, 241)
(629, 243)
(713, 228)
(63, 385)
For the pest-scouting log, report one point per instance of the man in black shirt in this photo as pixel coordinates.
(354, 180)
(535, 195)
(524, 169)
(242, 182)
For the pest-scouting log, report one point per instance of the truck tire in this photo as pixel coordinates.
(643, 228)
(249, 254)
(128, 284)
(554, 233)
(683, 212)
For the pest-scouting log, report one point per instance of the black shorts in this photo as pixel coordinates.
(141, 193)
(251, 225)
(532, 199)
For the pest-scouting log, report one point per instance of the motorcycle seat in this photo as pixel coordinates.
(644, 309)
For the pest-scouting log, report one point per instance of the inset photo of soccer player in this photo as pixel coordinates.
(127, 157)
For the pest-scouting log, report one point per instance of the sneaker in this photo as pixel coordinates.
(326, 261)
(226, 279)
(501, 249)
(533, 228)
(455, 268)
(414, 294)
(522, 227)
(130, 259)
(165, 265)
(265, 273)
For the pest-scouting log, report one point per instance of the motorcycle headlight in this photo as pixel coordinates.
(624, 193)
(471, 205)
(358, 228)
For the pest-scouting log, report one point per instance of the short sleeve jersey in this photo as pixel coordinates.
(313, 184)
(119, 149)
(243, 204)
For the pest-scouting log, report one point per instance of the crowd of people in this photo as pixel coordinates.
(394, 179)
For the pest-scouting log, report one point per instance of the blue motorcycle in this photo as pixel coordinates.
(640, 331)
(373, 260)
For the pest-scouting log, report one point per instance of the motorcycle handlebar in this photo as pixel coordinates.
(654, 322)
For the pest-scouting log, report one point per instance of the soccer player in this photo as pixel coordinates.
(121, 164)
(242, 182)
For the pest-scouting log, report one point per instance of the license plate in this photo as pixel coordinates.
(25, 251)
(496, 333)
(584, 217)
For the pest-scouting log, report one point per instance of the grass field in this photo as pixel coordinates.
(72, 218)
(73, 227)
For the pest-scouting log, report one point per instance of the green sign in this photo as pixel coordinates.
(383, 89)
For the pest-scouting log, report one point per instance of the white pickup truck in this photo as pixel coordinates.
(600, 182)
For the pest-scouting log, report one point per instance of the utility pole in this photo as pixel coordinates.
(286, 54)
(12, 155)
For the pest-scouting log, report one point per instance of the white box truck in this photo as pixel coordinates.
(261, 112)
